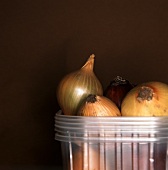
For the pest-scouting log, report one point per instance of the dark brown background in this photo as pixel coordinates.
(41, 41)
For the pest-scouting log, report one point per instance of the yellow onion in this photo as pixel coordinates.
(76, 86)
(146, 99)
(96, 105)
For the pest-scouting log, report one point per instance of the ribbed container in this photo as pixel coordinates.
(113, 143)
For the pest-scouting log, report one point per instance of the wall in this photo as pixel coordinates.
(41, 41)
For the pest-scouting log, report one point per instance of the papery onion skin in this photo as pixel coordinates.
(96, 105)
(146, 99)
(76, 86)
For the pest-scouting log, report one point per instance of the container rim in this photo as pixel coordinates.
(111, 129)
(60, 115)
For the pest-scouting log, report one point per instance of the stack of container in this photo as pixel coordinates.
(112, 143)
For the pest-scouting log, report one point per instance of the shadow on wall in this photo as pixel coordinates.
(27, 114)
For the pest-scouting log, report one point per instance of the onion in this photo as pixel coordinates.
(117, 90)
(147, 99)
(95, 105)
(76, 86)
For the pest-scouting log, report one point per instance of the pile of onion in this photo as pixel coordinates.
(76, 86)
(146, 99)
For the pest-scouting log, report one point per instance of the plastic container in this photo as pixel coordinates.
(113, 143)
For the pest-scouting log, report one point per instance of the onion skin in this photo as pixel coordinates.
(76, 86)
(95, 105)
(147, 99)
(117, 90)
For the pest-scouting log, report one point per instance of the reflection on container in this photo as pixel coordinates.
(92, 143)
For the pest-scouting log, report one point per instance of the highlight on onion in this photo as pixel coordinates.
(95, 105)
(146, 99)
(117, 90)
(76, 86)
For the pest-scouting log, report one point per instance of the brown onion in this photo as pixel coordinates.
(95, 105)
(147, 99)
(117, 90)
(76, 86)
